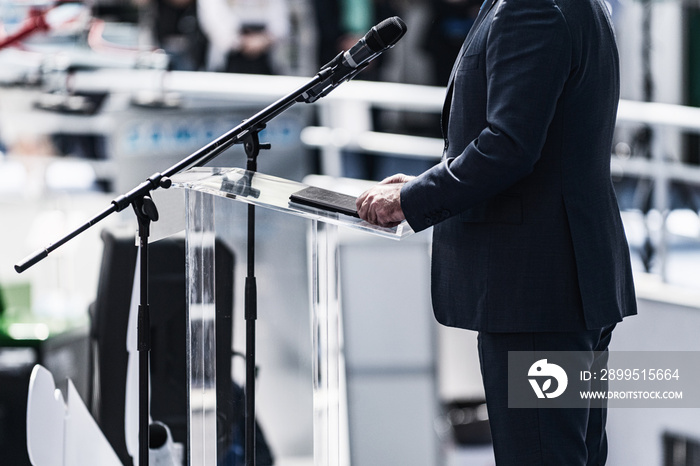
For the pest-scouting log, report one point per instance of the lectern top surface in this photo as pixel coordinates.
(274, 193)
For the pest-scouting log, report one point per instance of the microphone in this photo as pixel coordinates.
(347, 64)
(380, 38)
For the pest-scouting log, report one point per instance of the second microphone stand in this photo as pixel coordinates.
(252, 146)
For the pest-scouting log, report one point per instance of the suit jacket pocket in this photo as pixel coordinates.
(500, 209)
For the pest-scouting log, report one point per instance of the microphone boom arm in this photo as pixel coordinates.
(198, 158)
(380, 38)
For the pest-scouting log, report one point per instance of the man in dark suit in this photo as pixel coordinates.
(528, 244)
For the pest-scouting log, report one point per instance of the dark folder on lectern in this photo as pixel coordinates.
(326, 200)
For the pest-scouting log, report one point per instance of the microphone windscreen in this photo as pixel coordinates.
(385, 34)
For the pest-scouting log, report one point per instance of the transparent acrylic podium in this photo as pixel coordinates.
(297, 248)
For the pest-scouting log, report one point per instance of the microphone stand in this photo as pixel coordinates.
(146, 212)
(252, 147)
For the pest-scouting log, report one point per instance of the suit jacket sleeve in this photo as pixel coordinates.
(528, 61)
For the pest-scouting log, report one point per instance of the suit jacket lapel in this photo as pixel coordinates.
(483, 12)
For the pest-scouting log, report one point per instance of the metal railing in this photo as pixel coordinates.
(345, 122)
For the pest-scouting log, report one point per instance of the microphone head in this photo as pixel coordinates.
(385, 34)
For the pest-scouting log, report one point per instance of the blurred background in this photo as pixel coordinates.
(97, 95)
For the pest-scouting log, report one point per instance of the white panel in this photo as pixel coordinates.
(395, 424)
(386, 304)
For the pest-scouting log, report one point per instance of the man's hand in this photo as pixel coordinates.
(381, 204)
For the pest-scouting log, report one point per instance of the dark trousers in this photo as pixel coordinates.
(542, 436)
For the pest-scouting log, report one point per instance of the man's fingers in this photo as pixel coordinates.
(381, 205)
(365, 210)
(397, 178)
(362, 205)
(390, 179)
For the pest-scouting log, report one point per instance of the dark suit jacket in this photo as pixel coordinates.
(528, 235)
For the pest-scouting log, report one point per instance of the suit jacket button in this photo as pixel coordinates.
(428, 221)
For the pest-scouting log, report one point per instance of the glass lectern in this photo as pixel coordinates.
(296, 247)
